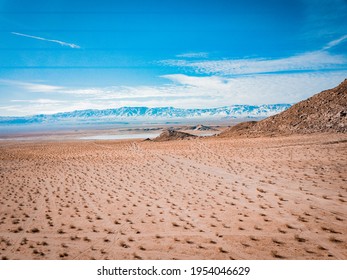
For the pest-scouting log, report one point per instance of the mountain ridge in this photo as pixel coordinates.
(143, 113)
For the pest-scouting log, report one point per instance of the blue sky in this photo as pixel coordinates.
(71, 55)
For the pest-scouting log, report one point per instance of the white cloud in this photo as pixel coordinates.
(114, 92)
(41, 88)
(83, 91)
(335, 42)
(32, 87)
(314, 60)
(193, 55)
(39, 101)
(48, 40)
(213, 83)
(261, 89)
(182, 91)
(317, 60)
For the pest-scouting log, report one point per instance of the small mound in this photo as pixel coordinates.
(201, 127)
(168, 135)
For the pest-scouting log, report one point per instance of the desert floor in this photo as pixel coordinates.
(264, 198)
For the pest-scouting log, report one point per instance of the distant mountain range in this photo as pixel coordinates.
(134, 114)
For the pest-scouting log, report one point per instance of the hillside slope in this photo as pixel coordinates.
(323, 112)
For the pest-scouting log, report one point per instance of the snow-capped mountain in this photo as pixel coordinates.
(134, 114)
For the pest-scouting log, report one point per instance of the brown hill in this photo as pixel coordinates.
(323, 112)
(169, 134)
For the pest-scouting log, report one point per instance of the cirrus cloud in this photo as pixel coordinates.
(318, 60)
(309, 61)
(193, 55)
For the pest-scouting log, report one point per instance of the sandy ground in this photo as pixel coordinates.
(265, 198)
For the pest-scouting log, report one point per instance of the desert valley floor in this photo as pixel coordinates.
(213, 198)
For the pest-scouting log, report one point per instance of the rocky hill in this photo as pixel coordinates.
(323, 112)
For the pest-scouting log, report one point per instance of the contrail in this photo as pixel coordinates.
(335, 42)
(49, 40)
